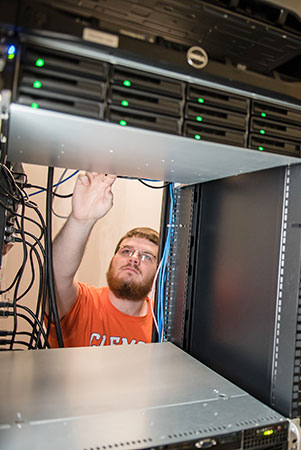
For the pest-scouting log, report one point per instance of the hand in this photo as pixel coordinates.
(92, 196)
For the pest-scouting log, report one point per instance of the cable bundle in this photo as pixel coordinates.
(37, 252)
(161, 277)
(14, 198)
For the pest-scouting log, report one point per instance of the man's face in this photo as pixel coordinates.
(130, 276)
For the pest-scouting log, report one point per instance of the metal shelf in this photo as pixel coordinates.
(61, 140)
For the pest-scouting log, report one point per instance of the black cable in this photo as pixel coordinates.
(25, 253)
(15, 189)
(22, 343)
(13, 282)
(41, 297)
(37, 241)
(44, 189)
(4, 333)
(62, 195)
(42, 229)
(17, 196)
(23, 198)
(8, 350)
(32, 250)
(8, 190)
(51, 290)
(21, 174)
(154, 187)
(19, 215)
(32, 205)
(8, 342)
(34, 186)
(40, 325)
(26, 333)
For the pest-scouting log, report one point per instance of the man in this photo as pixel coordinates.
(119, 313)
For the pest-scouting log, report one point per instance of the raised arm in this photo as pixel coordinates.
(92, 199)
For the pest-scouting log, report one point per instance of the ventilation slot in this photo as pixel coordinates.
(121, 445)
(296, 403)
(271, 436)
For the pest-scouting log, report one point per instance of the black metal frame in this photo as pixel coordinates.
(242, 288)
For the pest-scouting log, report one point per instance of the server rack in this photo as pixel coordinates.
(260, 114)
(48, 78)
(237, 308)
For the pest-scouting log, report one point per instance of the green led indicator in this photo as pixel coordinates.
(197, 137)
(127, 83)
(11, 56)
(268, 432)
(260, 148)
(40, 62)
(262, 132)
(201, 100)
(125, 103)
(199, 118)
(34, 105)
(263, 114)
(37, 84)
(123, 123)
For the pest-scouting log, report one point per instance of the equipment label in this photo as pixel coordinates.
(100, 37)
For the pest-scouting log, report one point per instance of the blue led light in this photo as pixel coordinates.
(11, 50)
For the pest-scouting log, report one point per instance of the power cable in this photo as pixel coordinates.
(51, 290)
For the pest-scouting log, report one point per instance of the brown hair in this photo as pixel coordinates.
(143, 233)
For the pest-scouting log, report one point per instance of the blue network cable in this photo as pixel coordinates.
(55, 185)
(163, 269)
(163, 273)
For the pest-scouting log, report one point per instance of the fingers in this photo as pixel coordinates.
(83, 179)
(110, 179)
(106, 178)
(90, 178)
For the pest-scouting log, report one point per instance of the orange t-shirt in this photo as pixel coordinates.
(94, 321)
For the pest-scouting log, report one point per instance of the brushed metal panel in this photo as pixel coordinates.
(81, 381)
(61, 140)
(126, 396)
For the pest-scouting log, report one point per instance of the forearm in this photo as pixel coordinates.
(69, 246)
(68, 249)
(92, 199)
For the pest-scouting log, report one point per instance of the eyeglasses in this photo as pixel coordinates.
(143, 255)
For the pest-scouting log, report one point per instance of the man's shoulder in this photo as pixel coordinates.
(92, 299)
(87, 290)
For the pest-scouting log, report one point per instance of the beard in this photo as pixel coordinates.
(128, 289)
